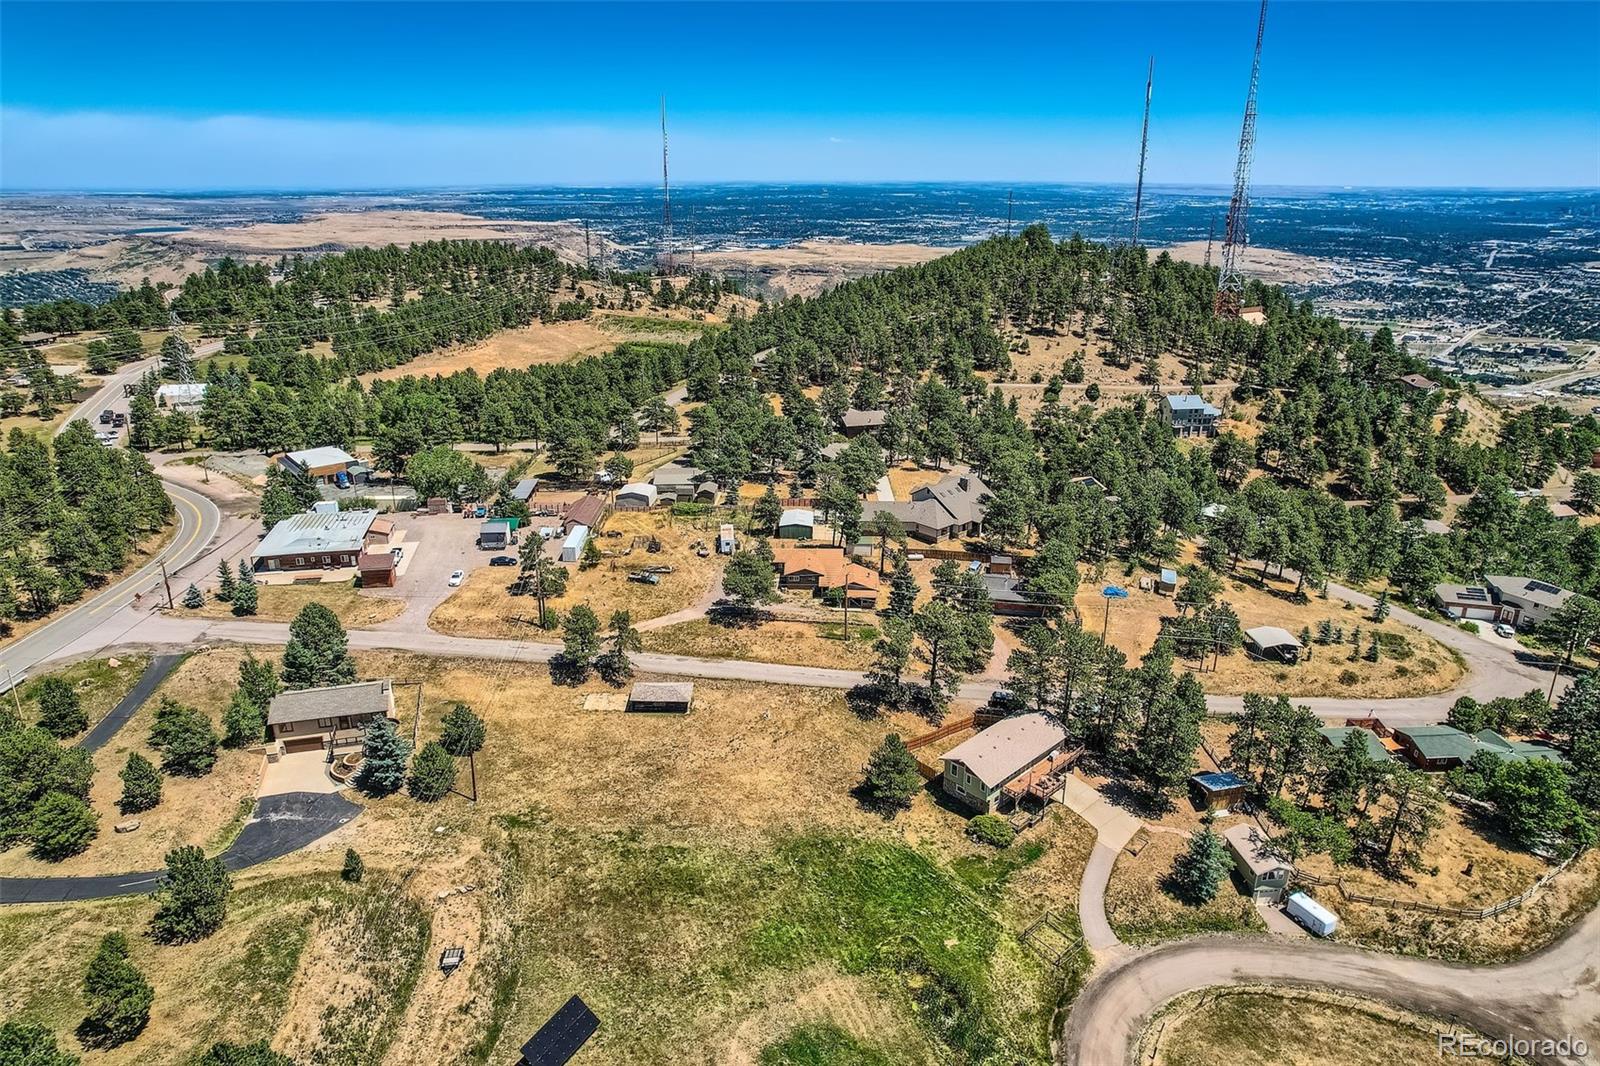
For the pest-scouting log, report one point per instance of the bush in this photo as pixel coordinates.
(243, 723)
(61, 713)
(62, 825)
(1349, 677)
(354, 868)
(184, 736)
(462, 732)
(1470, 627)
(991, 829)
(433, 773)
(141, 785)
(258, 1054)
(118, 995)
(25, 1044)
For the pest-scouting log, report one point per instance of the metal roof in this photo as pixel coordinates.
(1008, 747)
(1528, 589)
(319, 457)
(1265, 637)
(1254, 849)
(1336, 734)
(798, 516)
(1218, 781)
(662, 692)
(316, 533)
(1188, 401)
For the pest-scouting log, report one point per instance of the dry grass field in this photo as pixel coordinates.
(706, 882)
(193, 810)
(100, 684)
(795, 643)
(484, 607)
(280, 603)
(1141, 910)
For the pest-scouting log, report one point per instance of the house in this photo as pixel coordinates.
(331, 718)
(586, 512)
(1273, 643)
(377, 569)
(977, 770)
(1007, 597)
(323, 465)
(494, 534)
(1516, 750)
(638, 496)
(950, 508)
(858, 422)
(316, 541)
(1467, 601)
(1167, 581)
(1335, 736)
(525, 489)
(681, 483)
(797, 523)
(725, 540)
(661, 697)
(822, 570)
(181, 397)
(572, 547)
(1524, 600)
(1189, 415)
(1263, 872)
(836, 449)
(1218, 791)
(1417, 384)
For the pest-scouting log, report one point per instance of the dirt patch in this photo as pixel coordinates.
(807, 268)
(280, 603)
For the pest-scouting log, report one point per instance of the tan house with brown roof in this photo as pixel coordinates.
(822, 569)
(327, 718)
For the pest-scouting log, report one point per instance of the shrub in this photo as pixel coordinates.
(1349, 677)
(31, 1045)
(991, 829)
(433, 773)
(141, 785)
(243, 723)
(354, 868)
(184, 736)
(258, 1054)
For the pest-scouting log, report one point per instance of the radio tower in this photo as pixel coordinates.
(1211, 235)
(666, 195)
(1230, 287)
(1144, 144)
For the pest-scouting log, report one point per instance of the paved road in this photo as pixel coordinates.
(280, 824)
(102, 731)
(198, 521)
(109, 395)
(1550, 994)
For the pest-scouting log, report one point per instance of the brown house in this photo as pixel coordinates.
(329, 719)
(822, 569)
(377, 569)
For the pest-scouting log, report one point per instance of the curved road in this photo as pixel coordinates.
(1548, 995)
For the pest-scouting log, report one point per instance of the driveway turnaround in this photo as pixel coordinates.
(281, 824)
(1551, 994)
(108, 727)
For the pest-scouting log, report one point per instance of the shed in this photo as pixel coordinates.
(572, 547)
(797, 523)
(1219, 790)
(661, 697)
(525, 489)
(637, 496)
(1167, 581)
(1272, 642)
(377, 570)
(586, 512)
(325, 507)
(1264, 873)
(494, 534)
(725, 540)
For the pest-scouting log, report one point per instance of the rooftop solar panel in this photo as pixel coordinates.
(1475, 595)
(560, 1038)
(1540, 586)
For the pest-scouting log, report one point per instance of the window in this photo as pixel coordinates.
(299, 560)
(324, 723)
(286, 727)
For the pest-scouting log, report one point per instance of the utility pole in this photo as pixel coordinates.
(1144, 144)
(1230, 287)
(16, 701)
(165, 580)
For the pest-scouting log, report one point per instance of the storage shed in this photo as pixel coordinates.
(494, 534)
(572, 547)
(377, 570)
(638, 496)
(797, 523)
(661, 697)
(1263, 872)
(1273, 643)
(1218, 791)
(1167, 581)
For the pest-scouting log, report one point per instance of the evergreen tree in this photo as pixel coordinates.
(141, 785)
(185, 739)
(246, 599)
(1380, 608)
(194, 897)
(892, 776)
(462, 732)
(902, 592)
(177, 358)
(259, 1053)
(1373, 653)
(893, 653)
(766, 511)
(1200, 870)
(384, 754)
(318, 650)
(225, 582)
(257, 680)
(61, 712)
(749, 581)
(433, 773)
(61, 826)
(580, 637)
(27, 1044)
(354, 869)
(117, 994)
(243, 723)
(193, 598)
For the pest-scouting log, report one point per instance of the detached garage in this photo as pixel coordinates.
(635, 497)
(1272, 643)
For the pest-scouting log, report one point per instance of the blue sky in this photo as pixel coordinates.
(280, 95)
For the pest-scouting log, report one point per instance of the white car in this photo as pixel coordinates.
(455, 578)
(1504, 630)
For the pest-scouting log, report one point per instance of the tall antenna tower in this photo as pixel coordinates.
(666, 194)
(1230, 288)
(1144, 144)
(1211, 235)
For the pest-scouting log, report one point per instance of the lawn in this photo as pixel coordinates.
(100, 684)
(193, 810)
(706, 882)
(280, 603)
(1255, 1026)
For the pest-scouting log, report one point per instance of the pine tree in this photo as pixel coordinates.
(1380, 609)
(117, 994)
(141, 784)
(61, 825)
(184, 736)
(462, 732)
(26, 1044)
(354, 869)
(177, 358)
(61, 712)
(193, 598)
(194, 897)
(1200, 871)
(902, 592)
(225, 582)
(243, 723)
(1325, 631)
(1373, 654)
(384, 753)
(245, 599)
(892, 776)
(318, 650)
(257, 680)
(433, 773)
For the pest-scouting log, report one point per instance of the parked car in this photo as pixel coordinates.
(342, 479)
(1504, 629)
(1007, 702)
(645, 578)
(456, 577)
(503, 560)
(119, 420)
(105, 417)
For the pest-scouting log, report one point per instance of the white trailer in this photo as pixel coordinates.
(1311, 914)
(572, 547)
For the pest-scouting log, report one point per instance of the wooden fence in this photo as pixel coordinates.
(981, 719)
